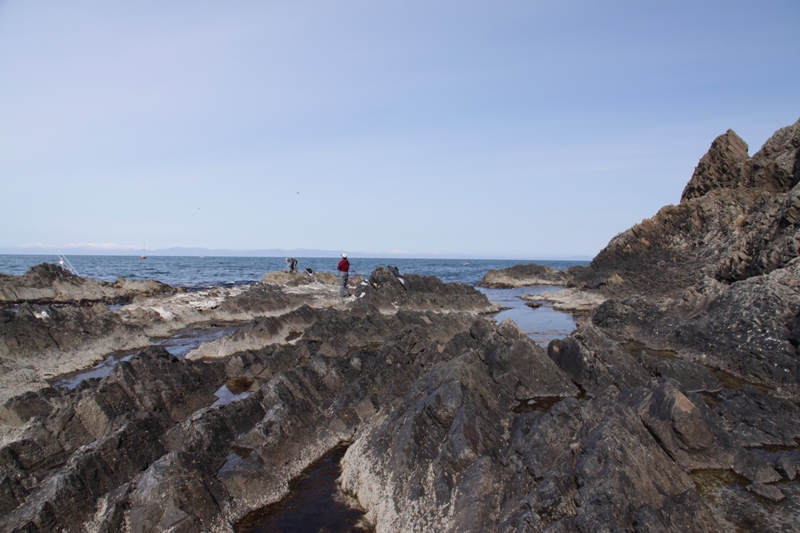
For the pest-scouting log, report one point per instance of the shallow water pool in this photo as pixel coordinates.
(542, 324)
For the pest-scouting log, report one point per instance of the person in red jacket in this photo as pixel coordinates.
(344, 274)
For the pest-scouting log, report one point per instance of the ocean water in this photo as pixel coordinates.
(542, 325)
(200, 272)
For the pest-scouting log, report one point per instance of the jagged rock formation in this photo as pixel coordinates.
(38, 343)
(384, 292)
(157, 414)
(83, 444)
(715, 280)
(738, 218)
(456, 423)
(305, 398)
(717, 276)
(47, 283)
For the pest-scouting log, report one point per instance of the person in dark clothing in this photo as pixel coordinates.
(292, 266)
(344, 273)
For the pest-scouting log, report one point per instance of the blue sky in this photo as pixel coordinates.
(515, 129)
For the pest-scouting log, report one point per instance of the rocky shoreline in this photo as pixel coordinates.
(674, 406)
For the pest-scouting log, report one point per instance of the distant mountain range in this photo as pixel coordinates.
(272, 252)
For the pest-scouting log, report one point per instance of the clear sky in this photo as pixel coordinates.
(512, 129)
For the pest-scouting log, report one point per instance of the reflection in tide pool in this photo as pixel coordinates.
(312, 505)
(100, 370)
(225, 396)
(178, 345)
(542, 324)
(232, 391)
(184, 342)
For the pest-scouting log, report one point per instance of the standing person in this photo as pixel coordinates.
(344, 274)
(292, 266)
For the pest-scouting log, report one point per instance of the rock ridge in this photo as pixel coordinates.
(674, 406)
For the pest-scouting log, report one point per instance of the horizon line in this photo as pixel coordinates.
(274, 252)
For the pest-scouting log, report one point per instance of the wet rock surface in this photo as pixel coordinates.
(673, 407)
(40, 342)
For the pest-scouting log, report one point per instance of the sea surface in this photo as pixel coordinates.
(195, 273)
(202, 272)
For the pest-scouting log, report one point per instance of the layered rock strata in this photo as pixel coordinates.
(673, 406)
(456, 424)
(304, 399)
(717, 277)
(703, 299)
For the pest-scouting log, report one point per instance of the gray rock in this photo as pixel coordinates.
(786, 467)
(190, 497)
(18, 410)
(524, 276)
(755, 467)
(691, 376)
(595, 362)
(384, 292)
(47, 283)
(724, 166)
(770, 492)
(259, 333)
(101, 437)
(689, 432)
(40, 343)
(67, 496)
(293, 415)
(755, 419)
(716, 277)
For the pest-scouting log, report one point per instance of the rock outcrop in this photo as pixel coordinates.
(568, 300)
(738, 218)
(673, 407)
(39, 343)
(211, 464)
(716, 277)
(524, 276)
(709, 290)
(48, 284)
(386, 293)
